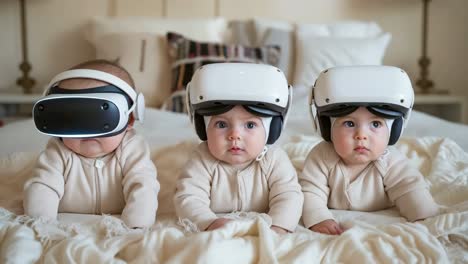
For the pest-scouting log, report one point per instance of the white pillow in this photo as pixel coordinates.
(316, 52)
(351, 29)
(140, 46)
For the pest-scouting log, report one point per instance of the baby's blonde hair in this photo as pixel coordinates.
(111, 67)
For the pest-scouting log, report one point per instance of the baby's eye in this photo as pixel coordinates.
(376, 124)
(348, 123)
(220, 124)
(251, 125)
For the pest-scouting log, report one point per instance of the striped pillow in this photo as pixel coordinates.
(187, 55)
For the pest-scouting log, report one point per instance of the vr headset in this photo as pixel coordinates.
(261, 89)
(385, 91)
(94, 112)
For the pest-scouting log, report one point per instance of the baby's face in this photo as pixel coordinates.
(360, 137)
(90, 147)
(236, 137)
(93, 147)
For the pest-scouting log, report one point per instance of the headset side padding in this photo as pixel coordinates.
(325, 127)
(276, 126)
(200, 128)
(396, 130)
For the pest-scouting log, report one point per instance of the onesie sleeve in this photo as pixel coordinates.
(140, 184)
(42, 193)
(406, 187)
(314, 183)
(285, 197)
(417, 205)
(192, 197)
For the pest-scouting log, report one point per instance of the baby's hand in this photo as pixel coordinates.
(279, 230)
(218, 223)
(328, 226)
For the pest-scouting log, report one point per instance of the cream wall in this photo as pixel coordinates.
(55, 29)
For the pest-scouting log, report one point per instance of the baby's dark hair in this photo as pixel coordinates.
(112, 67)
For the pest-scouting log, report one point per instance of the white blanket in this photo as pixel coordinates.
(381, 237)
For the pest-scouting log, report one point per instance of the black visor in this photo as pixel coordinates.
(77, 117)
(220, 104)
(101, 89)
(219, 107)
(382, 110)
(214, 110)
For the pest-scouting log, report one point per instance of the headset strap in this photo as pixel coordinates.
(96, 75)
(313, 108)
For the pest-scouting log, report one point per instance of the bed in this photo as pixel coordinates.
(438, 147)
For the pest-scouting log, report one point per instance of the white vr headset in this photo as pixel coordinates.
(261, 89)
(385, 91)
(94, 112)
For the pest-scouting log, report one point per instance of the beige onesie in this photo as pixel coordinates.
(388, 181)
(208, 186)
(122, 182)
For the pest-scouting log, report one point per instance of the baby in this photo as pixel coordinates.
(238, 109)
(95, 163)
(361, 110)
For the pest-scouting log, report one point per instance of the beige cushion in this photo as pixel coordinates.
(144, 56)
(139, 44)
(212, 29)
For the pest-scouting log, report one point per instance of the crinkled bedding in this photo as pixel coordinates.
(377, 237)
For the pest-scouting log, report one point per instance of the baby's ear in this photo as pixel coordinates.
(131, 121)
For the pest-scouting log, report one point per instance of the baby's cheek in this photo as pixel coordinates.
(72, 144)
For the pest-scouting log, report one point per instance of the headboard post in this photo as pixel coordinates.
(216, 8)
(164, 8)
(111, 8)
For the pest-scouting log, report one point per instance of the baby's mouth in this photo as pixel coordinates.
(361, 149)
(235, 149)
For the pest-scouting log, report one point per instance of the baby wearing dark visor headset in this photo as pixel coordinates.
(95, 162)
(239, 111)
(361, 111)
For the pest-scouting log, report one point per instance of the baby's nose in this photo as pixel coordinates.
(234, 135)
(360, 135)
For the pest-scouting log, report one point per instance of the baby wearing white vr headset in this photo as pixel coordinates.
(360, 111)
(94, 163)
(238, 109)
